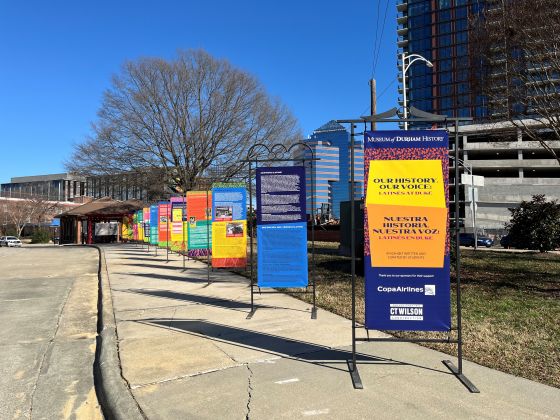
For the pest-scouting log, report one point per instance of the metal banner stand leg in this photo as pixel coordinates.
(156, 245)
(167, 233)
(458, 371)
(253, 308)
(208, 263)
(183, 245)
(314, 310)
(352, 365)
(251, 234)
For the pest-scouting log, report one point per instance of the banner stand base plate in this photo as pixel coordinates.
(250, 314)
(464, 380)
(355, 375)
(314, 313)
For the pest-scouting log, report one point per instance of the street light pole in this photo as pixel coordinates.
(411, 58)
(405, 110)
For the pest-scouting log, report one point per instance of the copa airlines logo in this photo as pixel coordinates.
(428, 289)
(400, 289)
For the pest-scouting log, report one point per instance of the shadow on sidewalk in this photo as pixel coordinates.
(205, 300)
(272, 344)
(141, 256)
(201, 279)
(168, 267)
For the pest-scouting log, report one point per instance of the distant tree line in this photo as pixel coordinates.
(18, 213)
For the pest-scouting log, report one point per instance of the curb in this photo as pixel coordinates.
(113, 393)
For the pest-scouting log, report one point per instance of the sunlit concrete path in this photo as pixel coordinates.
(188, 351)
(48, 318)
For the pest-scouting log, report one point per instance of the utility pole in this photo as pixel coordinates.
(372, 101)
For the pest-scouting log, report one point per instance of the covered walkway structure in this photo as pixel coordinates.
(95, 222)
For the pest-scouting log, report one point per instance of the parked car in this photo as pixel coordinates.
(10, 241)
(467, 239)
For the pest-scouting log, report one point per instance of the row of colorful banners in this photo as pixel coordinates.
(197, 224)
(406, 228)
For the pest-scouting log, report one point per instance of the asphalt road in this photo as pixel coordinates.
(48, 316)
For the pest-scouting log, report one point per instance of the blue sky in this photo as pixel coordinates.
(58, 58)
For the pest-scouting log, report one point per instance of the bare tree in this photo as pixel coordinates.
(517, 70)
(181, 116)
(21, 212)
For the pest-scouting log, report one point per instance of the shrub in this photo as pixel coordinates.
(41, 237)
(535, 224)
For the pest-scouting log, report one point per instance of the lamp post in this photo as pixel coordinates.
(406, 62)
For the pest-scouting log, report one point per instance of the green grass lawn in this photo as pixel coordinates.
(510, 300)
(511, 308)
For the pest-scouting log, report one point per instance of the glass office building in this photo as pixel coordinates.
(332, 173)
(439, 31)
(53, 187)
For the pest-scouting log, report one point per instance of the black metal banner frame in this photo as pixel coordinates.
(274, 154)
(426, 118)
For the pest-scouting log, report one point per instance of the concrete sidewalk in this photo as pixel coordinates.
(188, 351)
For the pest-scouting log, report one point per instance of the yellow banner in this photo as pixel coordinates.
(229, 241)
(179, 235)
(407, 215)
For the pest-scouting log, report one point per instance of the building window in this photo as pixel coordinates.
(445, 40)
(462, 37)
(445, 77)
(445, 65)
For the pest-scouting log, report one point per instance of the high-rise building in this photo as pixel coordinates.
(513, 164)
(438, 30)
(332, 173)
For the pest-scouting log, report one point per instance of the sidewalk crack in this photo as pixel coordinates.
(48, 351)
(223, 351)
(249, 391)
(172, 318)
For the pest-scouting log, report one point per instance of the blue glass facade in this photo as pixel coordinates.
(439, 31)
(331, 144)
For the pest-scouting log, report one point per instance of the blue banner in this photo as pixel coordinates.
(282, 255)
(281, 227)
(281, 195)
(406, 233)
(154, 224)
(229, 203)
